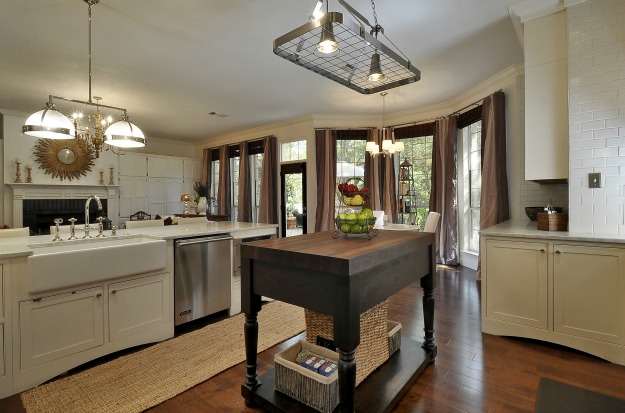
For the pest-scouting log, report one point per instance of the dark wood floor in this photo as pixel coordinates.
(474, 372)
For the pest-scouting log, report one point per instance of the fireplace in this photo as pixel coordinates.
(37, 205)
(39, 214)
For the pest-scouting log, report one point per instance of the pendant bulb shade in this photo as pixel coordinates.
(399, 146)
(375, 72)
(124, 134)
(49, 124)
(327, 44)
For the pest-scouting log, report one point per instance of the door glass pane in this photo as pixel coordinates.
(294, 210)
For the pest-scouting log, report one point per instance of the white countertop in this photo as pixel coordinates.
(19, 246)
(527, 229)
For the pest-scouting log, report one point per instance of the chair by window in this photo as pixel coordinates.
(431, 222)
(145, 223)
(192, 220)
(14, 232)
(140, 216)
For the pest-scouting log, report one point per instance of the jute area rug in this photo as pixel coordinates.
(148, 377)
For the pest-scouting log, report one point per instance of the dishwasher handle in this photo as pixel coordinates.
(204, 240)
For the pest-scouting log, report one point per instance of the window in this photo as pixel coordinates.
(350, 161)
(469, 205)
(214, 189)
(293, 151)
(418, 151)
(257, 174)
(234, 174)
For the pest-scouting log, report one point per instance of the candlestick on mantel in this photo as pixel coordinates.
(101, 176)
(111, 181)
(18, 174)
(29, 178)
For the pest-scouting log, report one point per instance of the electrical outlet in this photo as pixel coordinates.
(594, 180)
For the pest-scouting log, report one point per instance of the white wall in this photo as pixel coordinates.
(596, 33)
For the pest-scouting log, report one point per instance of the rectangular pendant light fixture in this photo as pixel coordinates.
(351, 64)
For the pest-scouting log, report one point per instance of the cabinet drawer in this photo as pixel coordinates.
(137, 305)
(61, 325)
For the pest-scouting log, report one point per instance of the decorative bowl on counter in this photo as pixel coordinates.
(532, 212)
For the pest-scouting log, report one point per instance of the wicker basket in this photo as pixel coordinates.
(312, 389)
(552, 222)
(373, 349)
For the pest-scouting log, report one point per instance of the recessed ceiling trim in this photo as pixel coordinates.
(356, 46)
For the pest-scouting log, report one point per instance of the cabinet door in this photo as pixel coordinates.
(589, 292)
(175, 167)
(1, 293)
(2, 354)
(174, 190)
(157, 196)
(60, 325)
(517, 282)
(137, 305)
(157, 167)
(132, 195)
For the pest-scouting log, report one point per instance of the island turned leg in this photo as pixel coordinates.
(250, 331)
(428, 283)
(347, 380)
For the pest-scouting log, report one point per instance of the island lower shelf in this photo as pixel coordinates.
(378, 393)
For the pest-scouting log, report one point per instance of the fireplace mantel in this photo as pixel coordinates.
(22, 191)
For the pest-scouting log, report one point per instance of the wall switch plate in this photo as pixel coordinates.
(594, 180)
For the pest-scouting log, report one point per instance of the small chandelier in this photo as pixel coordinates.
(95, 129)
(389, 148)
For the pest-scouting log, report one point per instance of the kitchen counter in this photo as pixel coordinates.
(527, 229)
(19, 246)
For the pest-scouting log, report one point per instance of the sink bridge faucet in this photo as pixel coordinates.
(87, 213)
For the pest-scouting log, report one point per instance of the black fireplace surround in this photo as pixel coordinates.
(39, 214)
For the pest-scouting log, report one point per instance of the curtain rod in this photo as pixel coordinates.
(441, 117)
(363, 128)
(473, 104)
(238, 143)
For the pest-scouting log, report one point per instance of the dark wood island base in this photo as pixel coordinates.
(352, 275)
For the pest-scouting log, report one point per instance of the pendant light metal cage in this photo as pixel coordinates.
(350, 65)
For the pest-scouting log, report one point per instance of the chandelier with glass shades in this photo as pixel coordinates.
(389, 148)
(95, 128)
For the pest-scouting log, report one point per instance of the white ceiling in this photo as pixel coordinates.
(170, 63)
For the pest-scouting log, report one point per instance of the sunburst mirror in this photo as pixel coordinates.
(65, 159)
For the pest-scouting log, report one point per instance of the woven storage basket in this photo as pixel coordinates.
(373, 349)
(552, 222)
(312, 389)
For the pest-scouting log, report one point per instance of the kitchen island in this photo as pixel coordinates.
(343, 278)
(556, 286)
(65, 303)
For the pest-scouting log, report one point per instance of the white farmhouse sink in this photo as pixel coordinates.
(68, 263)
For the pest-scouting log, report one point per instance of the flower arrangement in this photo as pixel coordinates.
(199, 190)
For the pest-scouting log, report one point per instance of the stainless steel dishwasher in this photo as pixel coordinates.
(202, 276)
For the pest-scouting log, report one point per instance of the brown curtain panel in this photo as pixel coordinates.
(206, 168)
(373, 174)
(388, 193)
(224, 195)
(325, 150)
(444, 187)
(244, 199)
(494, 203)
(268, 211)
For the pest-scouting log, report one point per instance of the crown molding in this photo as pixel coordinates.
(534, 9)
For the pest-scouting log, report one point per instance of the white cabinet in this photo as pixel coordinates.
(60, 325)
(174, 188)
(157, 166)
(133, 165)
(5, 383)
(137, 305)
(157, 196)
(546, 98)
(518, 294)
(589, 292)
(133, 195)
(570, 293)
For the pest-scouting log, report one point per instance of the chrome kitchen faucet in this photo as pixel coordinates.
(87, 213)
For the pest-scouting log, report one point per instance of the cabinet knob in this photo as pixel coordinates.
(114, 292)
(557, 252)
(98, 295)
(542, 250)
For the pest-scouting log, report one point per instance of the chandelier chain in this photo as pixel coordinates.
(375, 15)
